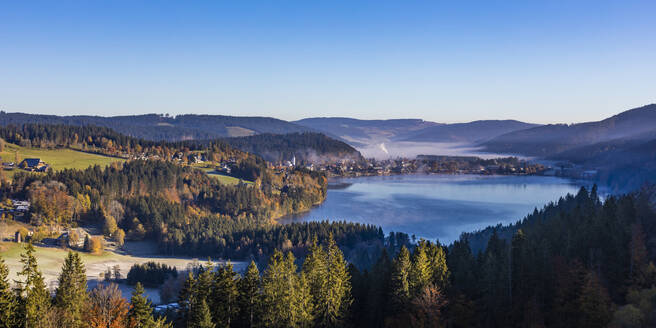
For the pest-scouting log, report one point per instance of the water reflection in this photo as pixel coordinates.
(436, 206)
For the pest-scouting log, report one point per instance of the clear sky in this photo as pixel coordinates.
(445, 61)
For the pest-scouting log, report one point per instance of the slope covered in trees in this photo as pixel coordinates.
(578, 262)
(163, 127)
(305, 147)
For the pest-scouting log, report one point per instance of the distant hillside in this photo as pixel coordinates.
(551, 139)
(306, 147)
(472, 132)
(360, 132)
(158, 127)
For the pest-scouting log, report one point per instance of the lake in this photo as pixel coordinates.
(436, 206)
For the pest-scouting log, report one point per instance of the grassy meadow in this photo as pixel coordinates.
(57, 158)
(224, 179)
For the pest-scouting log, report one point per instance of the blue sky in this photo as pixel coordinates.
(455, 61)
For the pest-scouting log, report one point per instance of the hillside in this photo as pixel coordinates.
(472, 132)
(365, 132)
(305, 147)
(158, 127)
(551, 139)
(358, 132)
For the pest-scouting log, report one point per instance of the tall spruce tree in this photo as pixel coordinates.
(200, 315)
(339, 300)
(8, 302)
(315, 269)
(400, 281)
(420, 273)
(140, 313)
(71, 293)
(36, 298)
(285, 303)
(440, 274)
(223, 299)
(249, 297)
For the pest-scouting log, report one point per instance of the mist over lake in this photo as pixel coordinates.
(436, 206)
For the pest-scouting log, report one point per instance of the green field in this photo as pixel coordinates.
(224, 179)
(57, 158)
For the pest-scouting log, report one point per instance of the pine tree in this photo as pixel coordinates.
(224, 297)
(303, 308)
(71, 294)
(315, 270)
(400, 284)
(378, 296)
(140, 312)
(285, 304)
(8, 302)
(339, 298)
(185, 295)
(440, 274)
(200, 315)
(36, 300)
(249, 296)
(420, 273)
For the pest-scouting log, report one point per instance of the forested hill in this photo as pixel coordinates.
(305, 147)
(620, 148)
(579, 262)
(163, 127)
(549, 140)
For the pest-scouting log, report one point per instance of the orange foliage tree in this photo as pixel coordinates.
(107, 307)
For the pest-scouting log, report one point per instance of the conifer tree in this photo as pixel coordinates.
(378, 296)
(140, 312)
(400, 284)
(36, 300)
(249, 296)
(185, 295)
(224, 297)
(200, 315)
(284, 303)
(339, 300)
(71, 294)
(303, 308)
(8, 302)
(420, 273)
(440, 273)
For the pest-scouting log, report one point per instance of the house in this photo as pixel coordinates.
(31, 164)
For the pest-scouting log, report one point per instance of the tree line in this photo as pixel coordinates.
(305, 147)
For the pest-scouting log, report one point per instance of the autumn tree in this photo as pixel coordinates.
(426, 308)
(594, 303)
(107, 308)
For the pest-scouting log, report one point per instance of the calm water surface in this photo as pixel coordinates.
(436, 206)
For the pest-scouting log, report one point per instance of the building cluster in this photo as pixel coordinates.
(423, 164)
(28, 164)
(14, 208)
